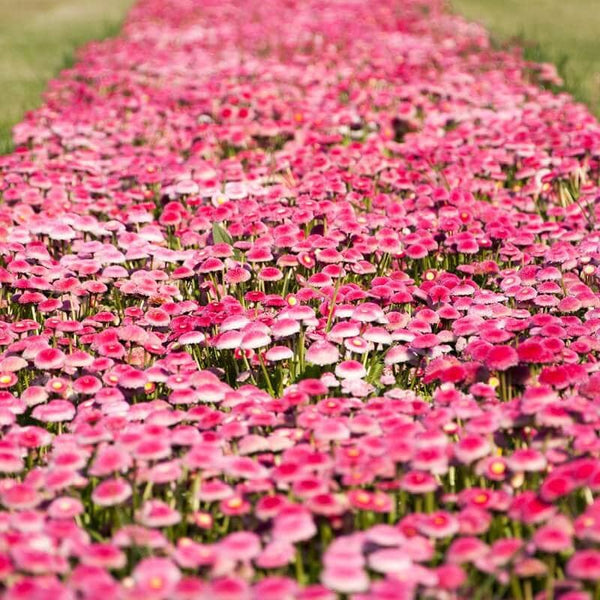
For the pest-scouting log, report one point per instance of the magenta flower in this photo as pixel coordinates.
(19, 496)
(501, 358)
(49, 359)
(585, 564)
(554, 537)
(106, 556)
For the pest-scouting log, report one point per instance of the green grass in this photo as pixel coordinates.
(38, 38)
(564, 32)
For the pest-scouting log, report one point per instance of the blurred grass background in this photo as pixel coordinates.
(563, 32)
(38, 38)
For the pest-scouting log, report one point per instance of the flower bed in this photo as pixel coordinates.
(299, 300)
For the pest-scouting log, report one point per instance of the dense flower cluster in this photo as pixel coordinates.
(300, 299)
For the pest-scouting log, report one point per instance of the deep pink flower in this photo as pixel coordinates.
(438, 525)
(450, 577)
(19, 496)
(555, 536)
(533, 352)
(466, 550)
(225, 588)
(501, 358)
(103, 555)
(49, 359)
(585, 564)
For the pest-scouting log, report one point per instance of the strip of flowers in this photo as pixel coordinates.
(299, 300)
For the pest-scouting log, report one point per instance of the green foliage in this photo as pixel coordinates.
(39, 38)
(563, 33)
(221, 235)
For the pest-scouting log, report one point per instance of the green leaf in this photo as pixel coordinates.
(221, 235)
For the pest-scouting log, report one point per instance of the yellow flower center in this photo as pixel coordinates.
(497, 468)
(156, 582)
(204, 519)
(363, 498)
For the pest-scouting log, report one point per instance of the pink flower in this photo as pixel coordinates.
(554, 537)
(65, 508)
(278, 353)
(156, 577)
(49, 358)
(110, 459)
(533, 352)
(275, 554)
(19, 496)
(106, 556)
(54, 412)
(226, 588)
(345, 579)
(350, 370)
(471, 447)
(293, 524)
(155, 513)
(276, 588)
(466, 550)
(527, 459)
(438, 525)
(111, 492)
(390, 560)
(585, 564)
(322, 353)
(241, 546)
(417, 482)
(501, 358)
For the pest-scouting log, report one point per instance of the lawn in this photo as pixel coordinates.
(37, 39)
(565, 33)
